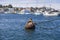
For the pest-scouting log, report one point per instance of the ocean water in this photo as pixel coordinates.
(12, 27)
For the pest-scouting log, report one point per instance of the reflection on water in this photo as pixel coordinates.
(12, 27)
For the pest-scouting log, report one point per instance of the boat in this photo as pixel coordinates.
(58, 14)
(30, 25)
(25, 11)
(37, 12)
(1, 10)
(50, 13)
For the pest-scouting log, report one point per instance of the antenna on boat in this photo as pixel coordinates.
(50, 3)
(44, 4)
(36, 3)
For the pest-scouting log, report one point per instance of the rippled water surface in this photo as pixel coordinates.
(12, 27)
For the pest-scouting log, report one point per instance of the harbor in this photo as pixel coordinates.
(45, 11)
(29, 19)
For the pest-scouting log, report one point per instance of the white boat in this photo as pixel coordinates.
(10, 10)
(1, 10)
(24, 11)
(50, 14)
(37, 12)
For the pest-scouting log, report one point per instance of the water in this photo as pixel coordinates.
(12, 27)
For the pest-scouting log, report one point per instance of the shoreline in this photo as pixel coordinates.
(46, 11)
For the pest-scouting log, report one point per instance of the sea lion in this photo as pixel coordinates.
(30, 24)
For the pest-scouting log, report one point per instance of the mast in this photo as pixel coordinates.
(44, 4)
(50, 3)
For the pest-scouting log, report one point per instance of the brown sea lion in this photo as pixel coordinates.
(30, 24)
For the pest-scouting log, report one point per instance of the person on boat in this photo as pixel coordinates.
(30, 24)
